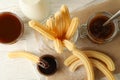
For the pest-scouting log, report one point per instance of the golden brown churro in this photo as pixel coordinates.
(103, 69)
(70, 60)
(66, 16)
(40, 28)
(82, 57)
(24, 54)
(58, 46)
(73, 28)
(93, 54)
(60, 24)
(102, 57)
(50, 24)
(87, 63)
(96, 64)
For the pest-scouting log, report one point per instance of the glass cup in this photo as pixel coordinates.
(100, 36)
(11, 26)
(40, 73)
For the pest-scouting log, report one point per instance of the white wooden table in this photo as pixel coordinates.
(22, 69)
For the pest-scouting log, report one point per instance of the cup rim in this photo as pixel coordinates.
(22, 28)
(108, 14)
(37, 73)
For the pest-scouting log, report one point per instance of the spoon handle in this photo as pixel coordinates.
(112, 18)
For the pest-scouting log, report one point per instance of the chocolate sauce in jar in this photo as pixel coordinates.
(49, 63)
(99, 32)
(10, 27)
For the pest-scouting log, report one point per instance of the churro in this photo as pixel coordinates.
(24, 54)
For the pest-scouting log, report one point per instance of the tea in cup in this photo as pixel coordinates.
(11, 28)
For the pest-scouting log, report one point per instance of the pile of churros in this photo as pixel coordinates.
(89, 59)
(57, 28)
(60, 29)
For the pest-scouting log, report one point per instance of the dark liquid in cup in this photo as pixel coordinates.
(52, 65)
(99, 32)
(10, 27)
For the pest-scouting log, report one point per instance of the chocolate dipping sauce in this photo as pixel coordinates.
(10, 27)
(49, 65)
(99, 32)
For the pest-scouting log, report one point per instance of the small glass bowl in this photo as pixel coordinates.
(22, 28)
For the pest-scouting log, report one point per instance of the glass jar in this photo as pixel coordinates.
(100, 31)
(46, 44)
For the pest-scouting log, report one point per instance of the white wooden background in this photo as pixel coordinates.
(22, 69)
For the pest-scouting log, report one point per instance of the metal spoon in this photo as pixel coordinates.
(112, 18)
